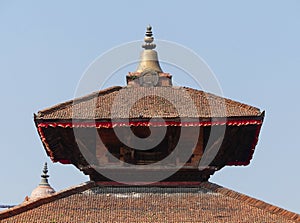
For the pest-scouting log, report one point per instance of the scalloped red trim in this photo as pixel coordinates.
(97, 124)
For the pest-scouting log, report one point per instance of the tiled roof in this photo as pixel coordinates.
(205, 202)
(148, 102)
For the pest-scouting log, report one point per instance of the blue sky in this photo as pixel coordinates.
(251, 46)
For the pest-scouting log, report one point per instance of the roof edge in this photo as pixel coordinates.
(28, 205)
(252, 201)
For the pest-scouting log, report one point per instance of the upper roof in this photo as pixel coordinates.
(149, 94)
(148, 102)
(204, 202)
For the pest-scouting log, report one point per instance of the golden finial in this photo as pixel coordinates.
(148, 45)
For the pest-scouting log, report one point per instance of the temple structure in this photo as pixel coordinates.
(111, 135)
(100, 132)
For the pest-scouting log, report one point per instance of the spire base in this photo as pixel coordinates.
(149, 61)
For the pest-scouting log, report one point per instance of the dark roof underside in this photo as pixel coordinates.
(204, 203)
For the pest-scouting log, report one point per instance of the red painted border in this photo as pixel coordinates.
(97, 124)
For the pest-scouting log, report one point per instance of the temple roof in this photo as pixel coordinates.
(148, 102)
(205, 202)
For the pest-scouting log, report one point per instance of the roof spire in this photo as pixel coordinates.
(44, 180)
(149, 58)
(44, 188)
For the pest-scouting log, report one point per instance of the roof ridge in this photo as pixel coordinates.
(28, 205)
(252, 201)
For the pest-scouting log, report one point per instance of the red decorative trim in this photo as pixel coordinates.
(97, 124)
(254, 143)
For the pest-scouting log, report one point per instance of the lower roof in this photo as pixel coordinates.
(199, 202)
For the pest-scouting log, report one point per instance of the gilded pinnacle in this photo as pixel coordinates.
(148, 45)
(149, 58)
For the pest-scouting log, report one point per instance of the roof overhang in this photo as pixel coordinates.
(49, 129)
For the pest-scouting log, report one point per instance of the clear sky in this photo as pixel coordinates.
(252, 47)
